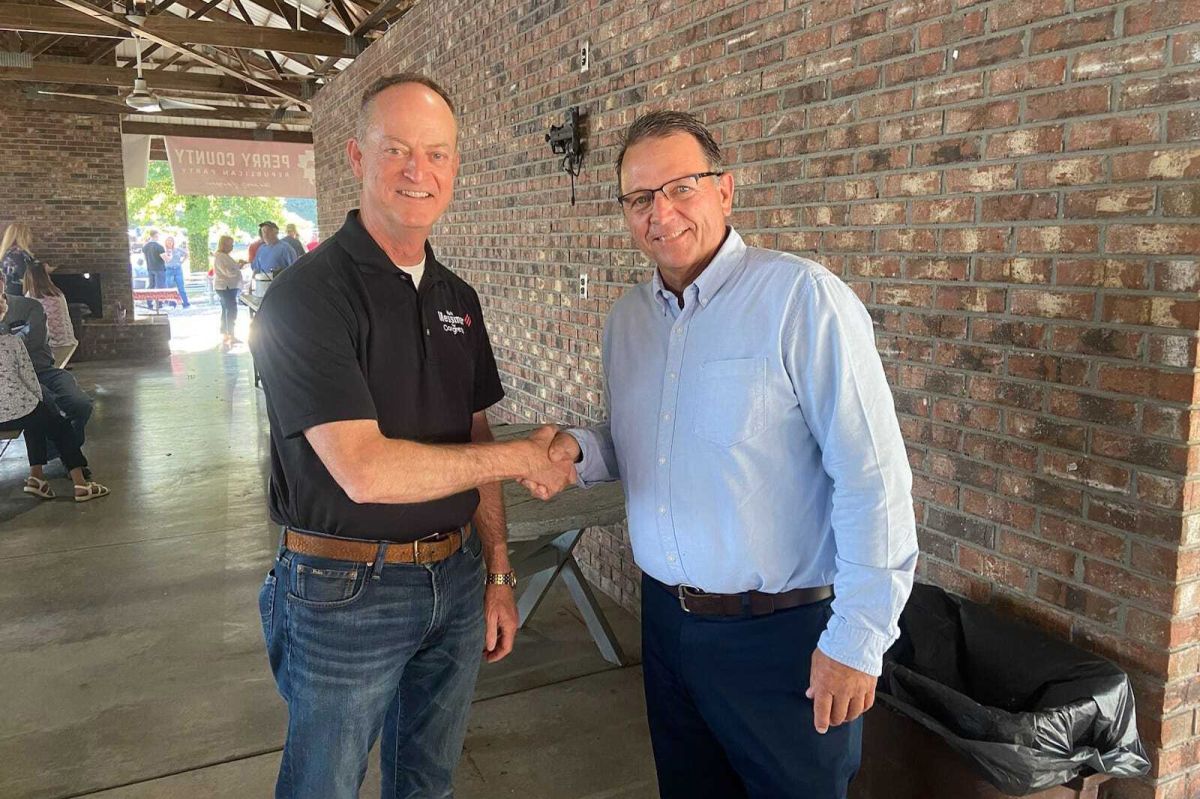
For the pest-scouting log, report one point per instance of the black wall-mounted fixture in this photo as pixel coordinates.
(567, 140)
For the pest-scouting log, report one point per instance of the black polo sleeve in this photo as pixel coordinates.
(304, 344)
(488, 390)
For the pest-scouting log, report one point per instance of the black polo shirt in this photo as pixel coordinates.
(343, 334)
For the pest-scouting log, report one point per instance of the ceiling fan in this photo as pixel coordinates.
(139, 98)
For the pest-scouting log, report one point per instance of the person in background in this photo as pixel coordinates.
(38, 286)
(16, 256)
(174, 257)
(156, 267)
(252, 249)
(227, 282)
(312, 243)
(273, 256)
(22, 408)
(292, 239)
(60, 391)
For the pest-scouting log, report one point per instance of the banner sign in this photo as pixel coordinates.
(228, 167)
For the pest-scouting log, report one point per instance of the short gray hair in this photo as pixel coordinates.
(387, 82)
(660, 124)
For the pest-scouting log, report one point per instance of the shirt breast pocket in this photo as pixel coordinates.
(731, 395)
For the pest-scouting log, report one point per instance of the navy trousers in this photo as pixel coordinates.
(726, 705)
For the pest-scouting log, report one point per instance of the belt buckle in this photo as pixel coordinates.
(416, 552)
(682, 592)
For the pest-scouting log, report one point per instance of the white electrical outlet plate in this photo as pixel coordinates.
(585, 56)
(583, 286)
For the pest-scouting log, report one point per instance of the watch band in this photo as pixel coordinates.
(505, 578)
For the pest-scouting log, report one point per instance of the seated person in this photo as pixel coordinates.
(38, 286)
(60, 392)
(21, 408)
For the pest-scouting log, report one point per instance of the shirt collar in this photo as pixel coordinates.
(724, 264)
(370, 258)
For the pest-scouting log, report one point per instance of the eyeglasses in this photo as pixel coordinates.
(679, 190)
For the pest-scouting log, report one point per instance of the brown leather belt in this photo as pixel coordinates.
(430, 549)
(747, 603)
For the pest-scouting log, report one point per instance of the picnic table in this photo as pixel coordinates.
(157, 295)
(542, 537)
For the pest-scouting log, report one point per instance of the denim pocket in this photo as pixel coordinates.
(326, 586)
(731, 394)
(266, 603)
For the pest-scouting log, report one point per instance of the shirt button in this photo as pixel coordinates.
(673, 375)
(662, 461)
(666, 416)
(662, 509)
(671, 558)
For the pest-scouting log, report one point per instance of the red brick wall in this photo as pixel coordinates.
(1010, 185)
(63, 175)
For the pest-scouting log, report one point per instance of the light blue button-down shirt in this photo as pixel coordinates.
(757, 441)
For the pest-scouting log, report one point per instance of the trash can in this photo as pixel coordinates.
(1030, 714)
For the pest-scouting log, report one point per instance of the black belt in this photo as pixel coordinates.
(747, 603)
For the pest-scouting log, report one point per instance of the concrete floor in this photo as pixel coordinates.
(130, 643)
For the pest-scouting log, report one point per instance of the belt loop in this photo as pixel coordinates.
(282, 542)
(380, 556)
(747, 605)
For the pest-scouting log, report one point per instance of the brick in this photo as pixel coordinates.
(1026, 75)
(917, 126)
(951, 29)
(1120, 60)
(949, 90)
(1140, 451)
(1016, 13)
(1047, 368)
(906, 12)
(1166, 386)
(993, 568)
(1181, 87)
(1102, 273)
(983, 178)
(1058, 239)
(950, 151)
(1027, 141)
(907, 240)
(1152, 311)
(1183, 125)
(1078, 599)
(1103, 341)
(1039, 554)
(979, 300)
(1116, 580)
(1024, 207)
(1074, 102)
(976, 240)
(1154, 15)
(949, 210)
(1013, 270)
(1181, 201)
(1082, 537)
(1154, 239)
(1063, 172)
(1110, 202)
(1088, 471)
(982, 117)
(1185, 48)
(1073, 32)
(1092, 408)
(1003, 392)
(884, 48)
(1094, 134)
(987, 52)
(875, 214)
(1018, 334)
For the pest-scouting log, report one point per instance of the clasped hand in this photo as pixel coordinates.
(552, 467)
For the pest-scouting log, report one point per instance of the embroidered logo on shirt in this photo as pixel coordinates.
(452, 323)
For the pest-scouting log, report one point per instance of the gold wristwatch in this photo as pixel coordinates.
(506, 578)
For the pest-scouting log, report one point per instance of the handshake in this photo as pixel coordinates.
(551, 464)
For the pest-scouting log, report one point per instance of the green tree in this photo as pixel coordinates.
(200, 215)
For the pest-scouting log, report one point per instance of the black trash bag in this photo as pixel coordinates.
(1029, 711)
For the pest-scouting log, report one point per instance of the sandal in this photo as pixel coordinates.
(38, 487)
(93, 491)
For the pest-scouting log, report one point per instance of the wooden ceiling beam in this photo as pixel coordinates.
(257, 115)
(101, 14)
(68, 22)
(157, 79)
(212, 132)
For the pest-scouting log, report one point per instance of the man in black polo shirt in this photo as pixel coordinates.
(377, 371)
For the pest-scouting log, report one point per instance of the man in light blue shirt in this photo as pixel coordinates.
(272, 254)
(766, 482)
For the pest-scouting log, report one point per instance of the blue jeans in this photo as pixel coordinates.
(361, 650)
(726, 706)
(61, 392)
(175, 278)
(228, 310)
